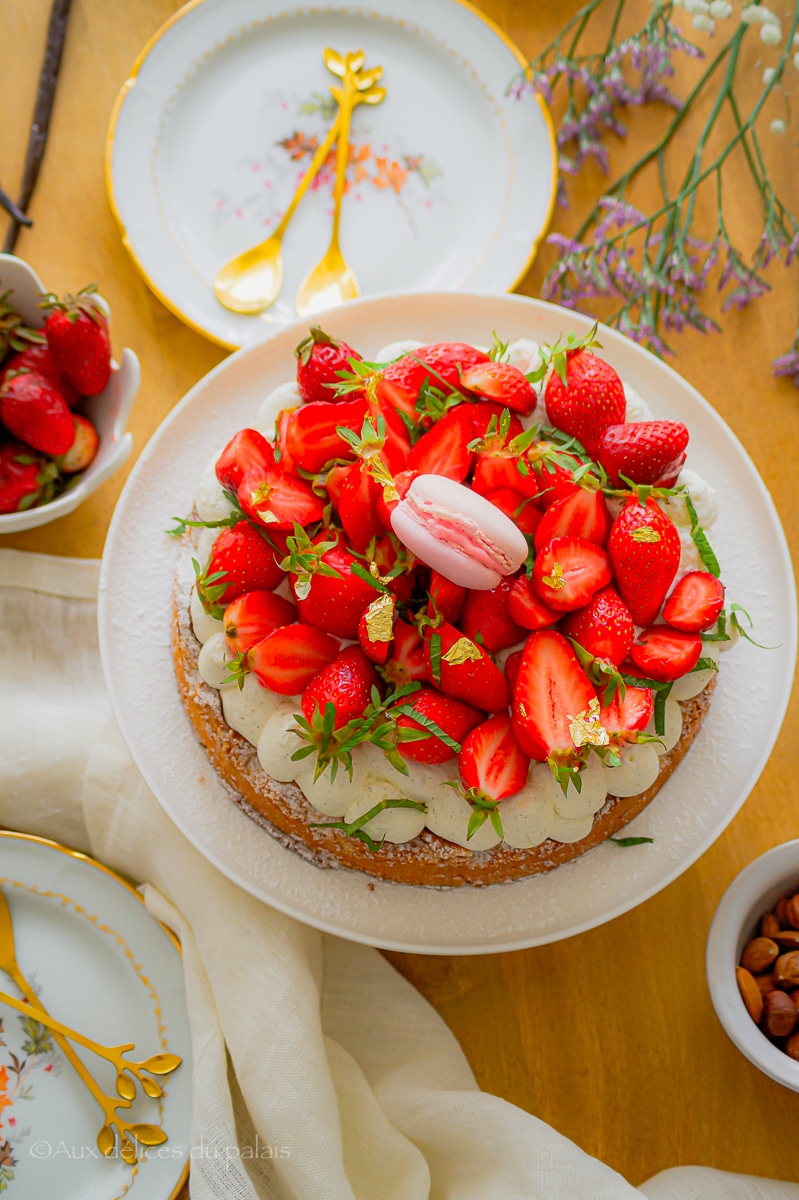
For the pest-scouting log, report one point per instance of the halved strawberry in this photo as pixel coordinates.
(503, 383)
(333, 481)
(448, 597)
(278, 501)
(492, 761)
(320, 359)
(385, 506)
(582, 513)
(454, 718)
(444, 449)
(695, 603)
(376, 628)
(346, 683)
(551, 690)
(512, 664)
(250, 617)
(357, 505)
(591, 400)
(407, 662)
(247, 450)
(554, 472)
(38, 359)
(525, 607)
(644, 451)
(521, 509)
(486, 618)
(568, 571)
(496, 471)
(288, 659)
(666, 654)
(462, 669)
(644, 550)
(282, 457)
(241, 561)
(604, 627)
(629, 715)
(311, 437)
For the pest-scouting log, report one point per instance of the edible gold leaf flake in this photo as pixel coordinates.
(586, 729)
(645, 533)
(464, 650)
(381, 473)
(555, 580)
(379, 618)
(260, 494)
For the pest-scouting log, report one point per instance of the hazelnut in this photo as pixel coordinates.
(792, 1046)
(779, 1015)
(769, 926)
(750, 994)
(786, 971)
(759, 954)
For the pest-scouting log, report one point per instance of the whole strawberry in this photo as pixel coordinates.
(26, 478)
(644, 451)
(77, 334)
(346, 683)
(32, 409)
(330, 593)
(644, 550)
(604, 627)
(83, 450)
(37, 358)
(591, 398)
(320, 358)
(241, 561)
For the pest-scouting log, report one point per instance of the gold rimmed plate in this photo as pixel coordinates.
(102, 965)
(450, 183)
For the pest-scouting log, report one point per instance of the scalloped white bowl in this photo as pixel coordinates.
(752, 893)
(108, 411)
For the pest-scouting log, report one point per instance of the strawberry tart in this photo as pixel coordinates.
(451, 617)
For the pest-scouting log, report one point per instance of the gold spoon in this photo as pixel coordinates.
(147, 1135)
(332, 281)
(157, 1064)
(252, 281)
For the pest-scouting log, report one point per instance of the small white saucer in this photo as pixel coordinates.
(451, 181)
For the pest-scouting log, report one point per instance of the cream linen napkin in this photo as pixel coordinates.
(312, 1044)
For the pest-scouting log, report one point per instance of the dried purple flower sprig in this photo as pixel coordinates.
(656, 264)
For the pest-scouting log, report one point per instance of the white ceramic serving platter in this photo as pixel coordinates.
(103, 966)
(689, 813)
(451, 179)
(108, 410)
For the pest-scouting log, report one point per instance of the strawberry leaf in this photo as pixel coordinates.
(355, 828)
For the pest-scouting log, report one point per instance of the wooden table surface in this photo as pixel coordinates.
(610, 1036)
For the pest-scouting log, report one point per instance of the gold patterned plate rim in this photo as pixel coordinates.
(139, 951)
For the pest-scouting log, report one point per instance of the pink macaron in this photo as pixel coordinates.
(458, 533)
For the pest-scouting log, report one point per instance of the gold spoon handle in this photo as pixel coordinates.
(112, 1054)
(346, 102)
(39, 1013)
(314, 167)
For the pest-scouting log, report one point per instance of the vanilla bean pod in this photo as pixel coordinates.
(45, 97)
(8, 204)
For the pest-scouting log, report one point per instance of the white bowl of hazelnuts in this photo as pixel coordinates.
(753, 963)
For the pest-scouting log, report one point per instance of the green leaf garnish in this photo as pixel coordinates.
(355, 828)
(630, 841)
(700, 539)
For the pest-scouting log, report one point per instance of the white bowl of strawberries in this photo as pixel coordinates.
(64, 401)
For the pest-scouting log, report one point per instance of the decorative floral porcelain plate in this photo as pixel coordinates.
(450, 183)
(686, 816)
(103, 966)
